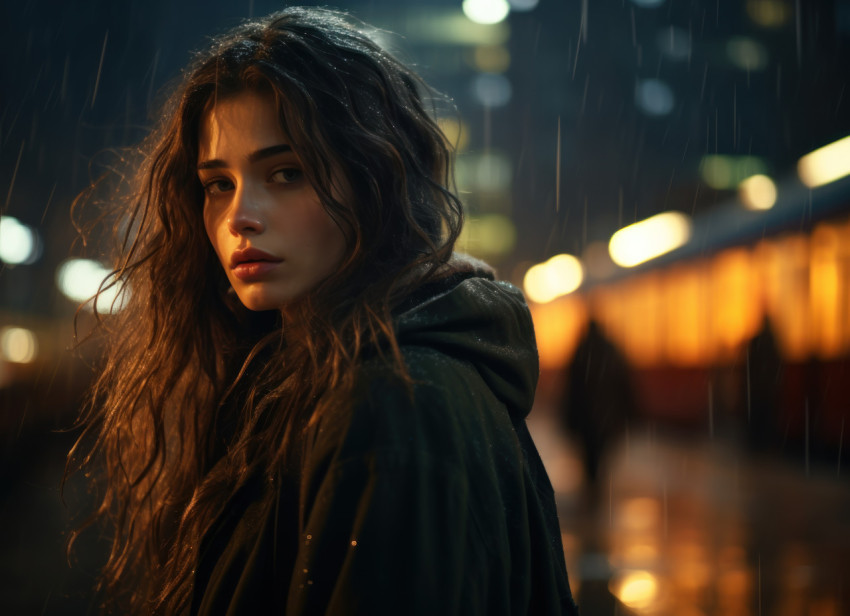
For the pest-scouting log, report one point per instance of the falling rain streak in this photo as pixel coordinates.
(47, 205)
(14, 176)
(806, 437)
(153, 76)
(798, 30)
(558, 166)
(583, 26)
(99, 69)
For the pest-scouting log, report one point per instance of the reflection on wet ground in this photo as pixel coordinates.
(696, 526)
(683, 526)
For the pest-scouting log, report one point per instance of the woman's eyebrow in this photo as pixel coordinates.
(217, 163)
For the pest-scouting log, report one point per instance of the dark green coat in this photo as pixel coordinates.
(435, 506)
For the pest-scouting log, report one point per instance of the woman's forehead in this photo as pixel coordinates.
(240, 123)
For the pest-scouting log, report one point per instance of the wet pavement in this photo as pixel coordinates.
(682, 525)
(689, 525)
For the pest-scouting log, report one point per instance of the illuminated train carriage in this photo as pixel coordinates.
(686, 321)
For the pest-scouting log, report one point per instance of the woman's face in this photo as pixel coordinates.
(273, 237)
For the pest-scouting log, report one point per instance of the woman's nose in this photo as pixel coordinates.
(245, 215)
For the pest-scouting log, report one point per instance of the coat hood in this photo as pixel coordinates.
(468, 315)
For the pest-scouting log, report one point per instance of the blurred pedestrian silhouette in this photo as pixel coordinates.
(761, 389)
(600, 400)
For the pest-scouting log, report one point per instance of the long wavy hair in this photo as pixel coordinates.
(199, 395)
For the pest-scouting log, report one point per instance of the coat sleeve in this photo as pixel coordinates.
(386, 531)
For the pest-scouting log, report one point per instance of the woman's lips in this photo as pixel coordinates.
(250, 271)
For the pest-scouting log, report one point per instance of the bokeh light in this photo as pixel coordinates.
(491, 58)
(637, 590)
(486, 11)
(747, 54)
(489, 236)
(723, 171)
(18, 345)
(491, 89)
(769, 13)
(560, 275)
(826, 164)
(454, 28)
(650, 238)
(456, 132)
(17, 241)
(493, 172)
(758, 192)
(80, 279)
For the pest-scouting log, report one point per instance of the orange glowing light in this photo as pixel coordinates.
(636, 589)
(793, 317)
(686, 316)
(642, 307)
(826, 291)
(558, 326)
(736, 293)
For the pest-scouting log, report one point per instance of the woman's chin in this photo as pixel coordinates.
(259, 302)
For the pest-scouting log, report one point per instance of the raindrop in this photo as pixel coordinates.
(710, 410)
(558, 168)
(584, 95)
(583, 26)
(674, 42)
(798, 30)
(575, 60)
(63, 89)
(749, 400)
(49, 200)
(153, 76)
(99, 69)
(14, 175)
(807, 437)
(734, 116)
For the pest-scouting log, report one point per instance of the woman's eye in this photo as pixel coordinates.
(215, 187)
(287, 176)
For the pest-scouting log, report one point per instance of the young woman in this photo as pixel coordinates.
(309, 405)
